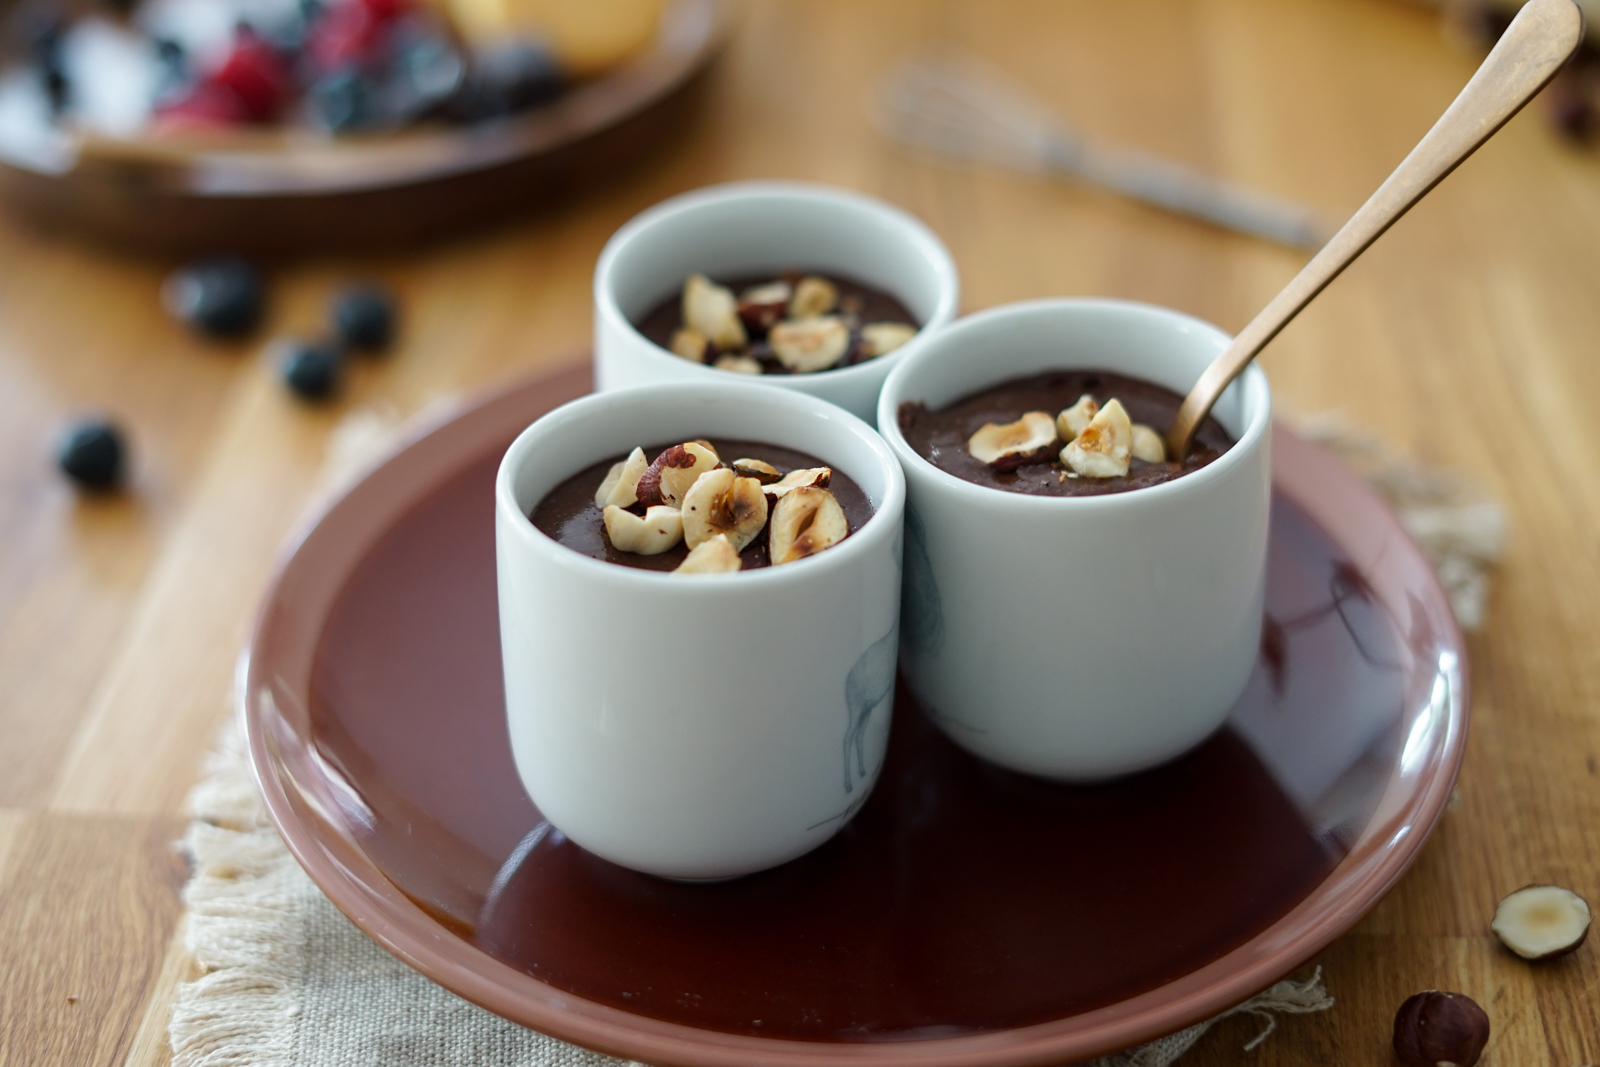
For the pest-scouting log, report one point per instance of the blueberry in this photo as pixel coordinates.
(44, 44)
(312, 371)
(174, 69)
(426, 73)
(363, 317)
(57, 89)
(91, 455)
(221, 296)
(506, 78)
(171, 55)
(340, 101)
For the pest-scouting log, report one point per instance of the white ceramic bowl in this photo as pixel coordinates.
(1081, 638)
(752, 227)
(707, 726)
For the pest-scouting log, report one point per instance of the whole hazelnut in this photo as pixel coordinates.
(1434, 1029)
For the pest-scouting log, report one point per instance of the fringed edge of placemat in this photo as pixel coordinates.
(243, 925)
(1287, 997)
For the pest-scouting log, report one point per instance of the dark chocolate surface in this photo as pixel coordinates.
(941, 436)
(859, 304)
(567, 513)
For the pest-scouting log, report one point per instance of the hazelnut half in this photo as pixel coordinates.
(1007, 446)
(813, 296)
(762, 306)
(811, 344)
(881, 338)
(692, 345)
(737, 364)
(804, 478)
(759, 469)
(1148, 445)
(715, 555)
(1103, 448)
(1434, 1029)
(710, 310)
(671, 474)
(1538, 922)
(659, 529)
(621, 484)
(722, 503)
(1074, 420)
(805, 522)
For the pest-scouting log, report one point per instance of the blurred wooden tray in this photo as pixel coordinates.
(281, 192)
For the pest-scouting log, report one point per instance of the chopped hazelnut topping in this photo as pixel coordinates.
(1074, 420)
(715, 555)
(691, 345)
(813, 296)
(722, 503)
(659, 529)
(621, 484)
(1007, 446)
(686, 494)
(881, 338)
(737, 364)
(1103, 448)
(710, 310)
(760, 470)
(762, 306)
(804, 523)
(805, 478)
(810, 344)
(1148, 445)
(676, 470)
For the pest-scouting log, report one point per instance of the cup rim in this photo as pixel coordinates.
(882, 524)
(1257, 406)
(912, 230)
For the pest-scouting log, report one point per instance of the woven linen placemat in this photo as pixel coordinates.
(288, 981)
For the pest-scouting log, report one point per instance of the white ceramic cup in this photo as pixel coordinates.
(706, 726)
(755, 227)
(1081, 638)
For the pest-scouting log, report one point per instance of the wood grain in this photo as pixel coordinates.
(1466, 338)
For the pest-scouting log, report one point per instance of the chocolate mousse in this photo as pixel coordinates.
(704, 506)
(1061, 433)
(790, 323)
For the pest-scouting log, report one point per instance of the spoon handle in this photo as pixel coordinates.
(1539, 40)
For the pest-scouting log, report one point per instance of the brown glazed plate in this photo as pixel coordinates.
(967, 916)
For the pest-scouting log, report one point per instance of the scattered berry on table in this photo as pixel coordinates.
(312, 371)
(220, 296)
(364, 317)
(91, 455)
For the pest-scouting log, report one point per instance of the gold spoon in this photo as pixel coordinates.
(1529, 53)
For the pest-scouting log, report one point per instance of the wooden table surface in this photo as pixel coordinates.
(1467, 337)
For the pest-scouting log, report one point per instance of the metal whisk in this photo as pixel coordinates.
(949, 101)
